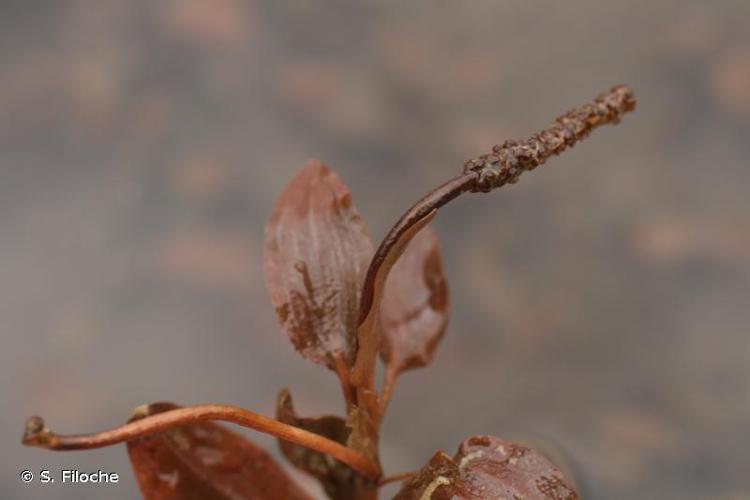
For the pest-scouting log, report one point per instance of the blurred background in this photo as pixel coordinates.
(601, 306)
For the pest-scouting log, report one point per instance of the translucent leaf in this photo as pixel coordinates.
(316, 253)
(488, 467)
(415, 309)
(205, 460)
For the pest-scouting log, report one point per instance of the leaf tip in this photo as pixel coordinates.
(313, 169)
(315, 164)
(284, 399)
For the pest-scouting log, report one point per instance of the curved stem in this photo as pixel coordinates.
(37, 434)
(503, 165)
(363, 371)
(431, 201)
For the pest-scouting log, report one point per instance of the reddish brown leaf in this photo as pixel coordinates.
(414, 310)
(337, 479)
(488, 467)
(205, 460)
(316, 253)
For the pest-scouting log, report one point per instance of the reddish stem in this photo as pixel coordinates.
(37, 434)
(503, 165)
(431, 201)
(363, 372)
(389, 383)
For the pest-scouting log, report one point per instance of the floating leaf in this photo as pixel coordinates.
(414, 310)
(488, 467)
(205, 460)
(337, 479)
(316, 254)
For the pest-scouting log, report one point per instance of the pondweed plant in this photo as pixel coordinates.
(343, 305)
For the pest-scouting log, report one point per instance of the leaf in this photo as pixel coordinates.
(337, 479)
(414, 309)
(488, 467)
(205, 460)
(316, 254)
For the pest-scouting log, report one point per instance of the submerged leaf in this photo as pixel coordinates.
(488, 467)
(414, 310)
(205, 460)
(337, 479)
(316, 254)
